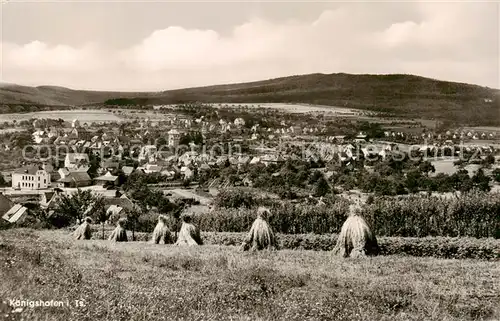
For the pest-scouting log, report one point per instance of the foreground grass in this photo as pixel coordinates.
(140, 281)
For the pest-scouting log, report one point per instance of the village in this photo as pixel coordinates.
(197, 156)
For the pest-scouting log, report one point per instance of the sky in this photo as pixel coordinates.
(153, 46)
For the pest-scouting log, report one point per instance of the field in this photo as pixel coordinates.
(67, 115)
(140, 281)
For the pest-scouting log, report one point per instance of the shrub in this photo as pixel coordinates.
(236, 198)
(440, 247)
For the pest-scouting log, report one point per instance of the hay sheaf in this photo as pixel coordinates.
(189, 235)
(119, 234)
(356, 239)
(83, 232)
(260, 237)
(161, 233)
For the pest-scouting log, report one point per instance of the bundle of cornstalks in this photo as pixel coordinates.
(83, 232)
(189, 234)
(119, 233)
(356, 239)
(261, 235)
(161, 233)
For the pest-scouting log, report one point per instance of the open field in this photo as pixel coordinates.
(139, 281)
(67, 115)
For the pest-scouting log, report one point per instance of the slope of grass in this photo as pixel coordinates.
(139, 281)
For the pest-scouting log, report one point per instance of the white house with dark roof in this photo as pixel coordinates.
(31, 177)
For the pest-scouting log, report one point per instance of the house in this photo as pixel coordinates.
(147, 152)
(369, 154)
(255, 160)
(31, 177)
(127, 170)
(117, 205)
(81, 169)
(109, 165)
(73, 160)
(169, 174)
(243, 160)
(360, 138)
(106, 179)
(63, 172)
(16, 214)
(152, 168)
(204, 167)
(339, 139)
(40, 137)
(239, 122)
(47, 198)
(75, 179)
(10, 211)
(186, 172)
(174, 137)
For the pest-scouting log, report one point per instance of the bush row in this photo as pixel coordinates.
(440, 247)
(472, 214)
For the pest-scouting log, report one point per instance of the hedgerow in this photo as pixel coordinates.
(439, 247)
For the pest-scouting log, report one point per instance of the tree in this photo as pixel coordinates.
(21, 139)
(489, 160)
(481, 181)
(132, 216)
(413, 181)
(76, 206)
(496, 174)
(94, 165)
(3, 182)
(426, 167)
(315, 176)
(322, 187)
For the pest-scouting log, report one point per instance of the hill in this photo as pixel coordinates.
(402, 95)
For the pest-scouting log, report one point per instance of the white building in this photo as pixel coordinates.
(74, 160)
(173, 137)
(239, 122)
(148, 153)
(31, 177)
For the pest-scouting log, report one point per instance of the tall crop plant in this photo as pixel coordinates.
(473, 214)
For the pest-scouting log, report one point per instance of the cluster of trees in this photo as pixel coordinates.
(194, 137)
(295, 178)
(148, 203)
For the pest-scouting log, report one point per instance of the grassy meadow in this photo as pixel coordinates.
(141, 281)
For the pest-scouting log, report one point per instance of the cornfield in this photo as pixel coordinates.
(473, 214)
(287, 218)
